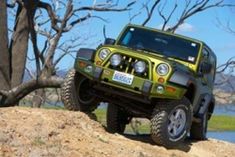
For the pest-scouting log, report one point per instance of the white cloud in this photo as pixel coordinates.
(186, 27)
(161, 25)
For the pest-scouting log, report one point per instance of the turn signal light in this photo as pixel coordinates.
(98, 63)
(161, 80)
(82, 64)
(170, 89)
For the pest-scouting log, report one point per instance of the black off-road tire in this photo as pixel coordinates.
(71, 93)
(116, 119)
(198, 130)
(160, 121)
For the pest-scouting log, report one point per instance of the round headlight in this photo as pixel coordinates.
(104, 53)
(162, 69)
(140, 67)
(116, 60)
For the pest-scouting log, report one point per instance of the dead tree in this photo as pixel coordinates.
(45, 60)
(59, 27)
(14, 55)
(4, 54)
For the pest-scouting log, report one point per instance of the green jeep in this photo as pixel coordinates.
(146, 73)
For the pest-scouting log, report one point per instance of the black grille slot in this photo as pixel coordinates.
(127, 66)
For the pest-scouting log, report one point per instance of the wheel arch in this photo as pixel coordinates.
(185, 80)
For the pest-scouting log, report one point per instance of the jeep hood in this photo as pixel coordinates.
(140, 52)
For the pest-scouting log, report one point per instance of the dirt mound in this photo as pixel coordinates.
(40, 132)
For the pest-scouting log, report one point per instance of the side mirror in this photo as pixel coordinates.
(109, 41)
(206, 68)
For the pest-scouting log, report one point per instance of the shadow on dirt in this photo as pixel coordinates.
(145, 138)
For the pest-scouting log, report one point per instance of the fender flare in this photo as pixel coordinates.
(86, 53)
(182, 78)
(211, 107)
(207, 104)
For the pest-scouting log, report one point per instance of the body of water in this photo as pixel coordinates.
(224, 110)
(228, 136)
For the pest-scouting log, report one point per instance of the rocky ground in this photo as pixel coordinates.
(38, 132)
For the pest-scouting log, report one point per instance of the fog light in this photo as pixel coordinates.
(160, 89)
(88, 69)
(116, 60)
(140, 67)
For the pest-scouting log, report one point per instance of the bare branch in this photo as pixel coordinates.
(62, 56)
(134, 16)
(54, 19)
(33, 36)
(150, 13)
(105, 8)
(31, 74)
(229, 63)
(12, 5)
(227, 27)
(104, 32)
(44, 33)
(41, 55)
(166, 19)
(73, 23)
(199, 6)
(17, 93)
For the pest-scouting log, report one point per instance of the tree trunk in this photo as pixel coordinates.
(19, 46)
(40, 95)
(4, 53)
(47, 71)
(39, 98)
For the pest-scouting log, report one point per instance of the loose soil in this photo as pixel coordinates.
(27, 132)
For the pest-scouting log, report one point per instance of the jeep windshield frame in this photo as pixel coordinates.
(156, 42)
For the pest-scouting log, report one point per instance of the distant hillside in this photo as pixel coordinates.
(226, 87)
(61, 73)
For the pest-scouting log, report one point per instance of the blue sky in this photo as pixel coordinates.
(201, 26)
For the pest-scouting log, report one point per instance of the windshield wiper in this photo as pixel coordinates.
(128, 47)
(176, 57)
(147, 50)
(140, 49)
(150, 51)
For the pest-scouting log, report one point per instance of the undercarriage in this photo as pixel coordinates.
(136, 105)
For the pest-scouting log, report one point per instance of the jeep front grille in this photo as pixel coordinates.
(127, 66)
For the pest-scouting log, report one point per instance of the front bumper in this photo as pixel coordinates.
(140, 86)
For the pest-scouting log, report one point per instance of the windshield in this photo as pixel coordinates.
(160, 43)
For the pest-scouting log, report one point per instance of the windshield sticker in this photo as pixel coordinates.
(193, 44)
(191, 59)
(132, 29)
